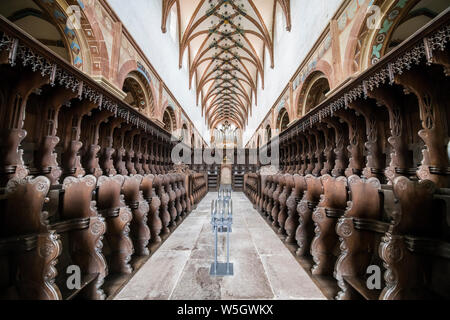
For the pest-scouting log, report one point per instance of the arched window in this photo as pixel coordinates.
(193, 141)
(398, 24)
(43, 25)
(185, 133)
(422, 13)
(169, 120)
(314, 92)
(283, 120)
(268, 133)
(139, 94)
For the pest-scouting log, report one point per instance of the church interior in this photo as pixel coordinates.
(304, 142)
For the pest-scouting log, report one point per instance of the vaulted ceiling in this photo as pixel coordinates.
(227, 43)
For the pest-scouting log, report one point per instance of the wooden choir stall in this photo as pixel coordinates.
(364, 178)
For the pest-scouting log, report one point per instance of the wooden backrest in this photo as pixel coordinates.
(335, 192)
(78, 197)
(285, 188)
(361, 228)
(417, 216)
(23, 206)
(147, 186)
(109, 191)
(300, 185)
(314, 188)
(365, 198)
(131, 188)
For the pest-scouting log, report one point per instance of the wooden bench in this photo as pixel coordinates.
(360, 229)
(263, 194)
(298, 187)
(416, 249)
(139, 231)
(305, 230)
(270, 201)
(118, 246)
(332, 205)
(163, 196)
(184, 179)
(168, 183)
(276, 204)
(82, 230)
(286, 184)
(28, 247)
(199, 187)
(177, 190)
(265, 191)
(251, 187)
(148, 187)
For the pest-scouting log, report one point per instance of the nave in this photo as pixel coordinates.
(264, 267)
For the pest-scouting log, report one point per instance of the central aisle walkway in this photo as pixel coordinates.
(263, 267)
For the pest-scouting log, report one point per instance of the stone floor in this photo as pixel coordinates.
(263, 267)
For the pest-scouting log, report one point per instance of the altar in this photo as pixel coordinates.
(226, 170)
(225, 175)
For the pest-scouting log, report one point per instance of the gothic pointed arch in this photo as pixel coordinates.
(139, 93)
(283, 120)
(313, 91)
(268, 133)
(48, 22)
(169, 119)
(193, 144)
(397, 21)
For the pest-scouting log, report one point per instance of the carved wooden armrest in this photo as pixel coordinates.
(109, 213)
(334, 213)
(70, 225)
(427, 246)
(376, 171)
(18, 244)
(312, 204)
(371, 225)
(406, 171)
(439, 171)
(133, 204)
(8, 169)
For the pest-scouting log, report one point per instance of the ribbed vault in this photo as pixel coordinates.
(226, 43)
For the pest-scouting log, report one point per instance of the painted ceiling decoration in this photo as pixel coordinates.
(226, 43)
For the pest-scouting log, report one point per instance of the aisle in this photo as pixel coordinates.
(264, 268)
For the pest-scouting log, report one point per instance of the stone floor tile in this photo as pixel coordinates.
(263, 267)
